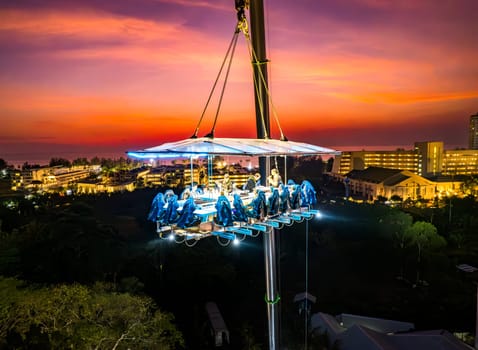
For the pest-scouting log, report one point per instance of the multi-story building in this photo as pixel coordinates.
(375, 182)
(360, 160)
(428, 159)
(460, 162)
(45, 178)
(473, 132)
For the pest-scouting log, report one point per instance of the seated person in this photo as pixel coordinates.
(186, 193)
(274, 178)
(226, 184)
(257, 178)
(250, 184)
(197, 190)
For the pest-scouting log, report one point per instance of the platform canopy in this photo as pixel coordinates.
(204, 146)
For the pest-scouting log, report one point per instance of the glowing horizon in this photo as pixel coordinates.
(134, 75)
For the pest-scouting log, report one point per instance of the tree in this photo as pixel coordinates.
(69, 245)
(424, 235)
(80, 161)
(3, 164)
(469, 186)
(395, 225)
(75, 316)
(60, 162)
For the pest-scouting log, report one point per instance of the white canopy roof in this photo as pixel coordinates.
(204, 146)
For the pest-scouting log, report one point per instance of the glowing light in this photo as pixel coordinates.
(171, 237)
(236, 241)
(318, 215)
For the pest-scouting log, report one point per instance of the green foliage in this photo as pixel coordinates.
(75, 316)
(60, 162)
(80, 161)
(70, 246)
(247, 336)
(470, 186)
(310, 168)
(395, 225)
(425, 237)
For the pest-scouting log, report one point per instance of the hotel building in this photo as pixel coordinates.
(473, 132)
(428, 159)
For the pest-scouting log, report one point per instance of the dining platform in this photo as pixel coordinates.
(200, 215)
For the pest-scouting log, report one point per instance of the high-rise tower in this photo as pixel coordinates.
(473, 139)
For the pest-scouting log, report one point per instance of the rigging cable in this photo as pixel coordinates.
(254, 59)
(211, 134)
(256, 84)
(306, 313)
(233, 40)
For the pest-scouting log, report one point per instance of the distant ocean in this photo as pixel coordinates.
(43, 158)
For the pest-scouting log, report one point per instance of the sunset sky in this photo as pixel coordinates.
(117, 75)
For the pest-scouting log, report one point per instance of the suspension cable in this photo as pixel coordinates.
(254, 59)
(306, 313)
(233, 40)
(256, 86)
(211, 133)
(241, 26)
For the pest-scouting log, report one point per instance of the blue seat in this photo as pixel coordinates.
(284, 199)
(295, 199)
(274, 202)
(223, 212)
(258, 206)
(239, 211)
(187, 217)
(171, 212)
(309, 195)
(157, 208)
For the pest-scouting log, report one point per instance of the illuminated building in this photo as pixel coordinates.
(93, 187)
(375, 182)
(360, 160)
(46, 178)
(460, 162)
(180, 174)
(428, 159)
(430, 155)
(473, 132)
